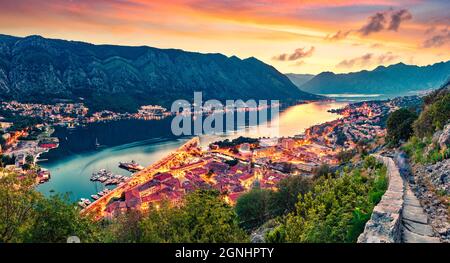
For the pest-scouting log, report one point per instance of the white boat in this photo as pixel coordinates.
(100, 193)
(95, 197)
(82, 204)
(87, 202)
(102, 178)
(109, 181)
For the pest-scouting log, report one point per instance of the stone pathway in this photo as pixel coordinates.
(415, 227)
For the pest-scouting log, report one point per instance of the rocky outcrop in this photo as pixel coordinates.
(384, 225)
(444, 138)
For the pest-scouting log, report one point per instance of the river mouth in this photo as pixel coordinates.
(85, 150)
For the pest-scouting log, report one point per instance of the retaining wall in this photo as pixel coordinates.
(384, 225)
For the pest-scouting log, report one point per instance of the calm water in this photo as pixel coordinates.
(72, 164)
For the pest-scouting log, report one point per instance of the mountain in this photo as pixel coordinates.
(299, 79)
(122, 78)
(393, 79)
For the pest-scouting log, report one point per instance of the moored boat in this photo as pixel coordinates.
(131, 166)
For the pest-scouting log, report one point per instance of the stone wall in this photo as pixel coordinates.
(384, 225)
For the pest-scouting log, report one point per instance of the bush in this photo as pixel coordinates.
(434, 116)
(399, 126)
(336, 209)
(252, 208)
(203, 218)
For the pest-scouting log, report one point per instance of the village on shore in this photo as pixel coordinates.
(231, 167)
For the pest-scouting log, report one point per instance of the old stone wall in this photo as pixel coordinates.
(384, 225)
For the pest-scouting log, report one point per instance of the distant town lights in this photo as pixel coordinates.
(189, 117)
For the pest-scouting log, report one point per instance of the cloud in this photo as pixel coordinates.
(386, 20)
(299, 63)
(296, 55)
(437, 40)
(386, 58)
(359, 61)
(375, 24)
(338, 35)
(367, 60)
(398, 17)
(376, 45)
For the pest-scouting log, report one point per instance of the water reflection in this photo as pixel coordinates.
(145, 142)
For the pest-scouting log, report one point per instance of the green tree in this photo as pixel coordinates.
(322, 171)
(434, 116)
(125, 228)
(17, 201)
(335, 210)
(56, 218)
(252, 208)
(203, 218)
(399, 125)
(29, 159)
(284, 199)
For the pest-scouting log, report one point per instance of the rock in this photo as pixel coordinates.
(444, 137)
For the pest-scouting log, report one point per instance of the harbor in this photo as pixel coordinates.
(73, 162)
(107, 177)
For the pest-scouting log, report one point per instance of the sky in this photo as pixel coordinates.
(298, 36)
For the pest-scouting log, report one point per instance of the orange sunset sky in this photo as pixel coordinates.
(292, 35)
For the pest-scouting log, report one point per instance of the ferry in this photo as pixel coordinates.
(131, 166)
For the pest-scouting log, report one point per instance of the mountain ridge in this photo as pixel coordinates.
(122, 78)
(397, 78)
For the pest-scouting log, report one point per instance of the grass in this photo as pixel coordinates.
(415, 148)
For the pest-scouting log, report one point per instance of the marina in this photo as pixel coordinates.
(107, 177)
(74, 161)
(84, 202)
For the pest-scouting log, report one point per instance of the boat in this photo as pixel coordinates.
(103, 178)
(87, 202)
(131, 166)
(115, 181)
(96, 143)
(94, 177)
(82, 204)
(110, 182)
(101, 193)
(95, 197)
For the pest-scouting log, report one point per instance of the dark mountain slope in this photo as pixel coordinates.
(299, 79)
(394, 79)
(123, 78)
